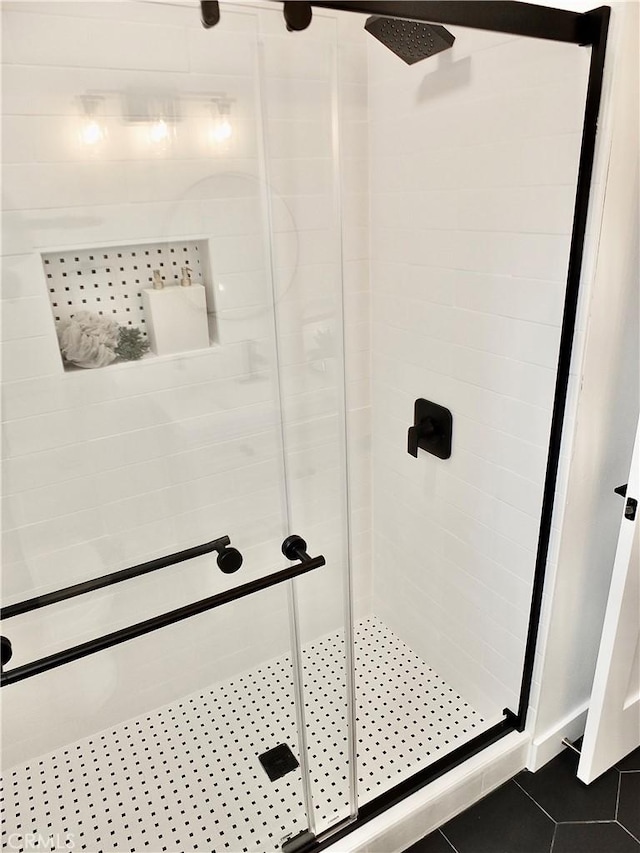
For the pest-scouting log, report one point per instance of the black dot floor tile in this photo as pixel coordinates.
(631, 762)
(506, 821)
(564, 797)
(629, 803)
(593, 838)
(187, 776)
(433, 843)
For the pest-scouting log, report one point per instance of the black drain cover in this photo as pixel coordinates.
(278, 761)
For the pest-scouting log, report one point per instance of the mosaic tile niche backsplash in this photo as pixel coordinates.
(104, 285)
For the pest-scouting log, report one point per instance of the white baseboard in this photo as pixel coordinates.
(427, 809)
(549, 744)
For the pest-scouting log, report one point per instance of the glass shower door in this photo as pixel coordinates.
(151, 423)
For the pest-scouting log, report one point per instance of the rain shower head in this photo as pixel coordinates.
(410, 40)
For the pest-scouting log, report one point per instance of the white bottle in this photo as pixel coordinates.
(185, 281)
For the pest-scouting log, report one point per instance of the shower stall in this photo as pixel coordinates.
(289, 306)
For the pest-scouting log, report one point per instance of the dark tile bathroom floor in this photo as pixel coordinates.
(550, 811)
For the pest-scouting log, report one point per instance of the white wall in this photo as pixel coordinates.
(473, 169)
(104, 469)
(607, 413)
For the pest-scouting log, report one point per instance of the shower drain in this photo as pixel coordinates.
(278, 761)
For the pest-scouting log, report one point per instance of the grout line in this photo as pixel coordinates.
(622, 826)
(383, 290)
(583, 822)
(462, 381)
(534, 801)
(447, 840)
(553, 838)
(615, 814)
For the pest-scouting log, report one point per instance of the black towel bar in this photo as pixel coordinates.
(220, 545)
(28, 670)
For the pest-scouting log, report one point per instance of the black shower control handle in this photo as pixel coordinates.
(431, 431)
(425, 430)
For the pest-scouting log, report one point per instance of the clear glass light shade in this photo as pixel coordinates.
(92, 133)
(159, 132)
(221, 131)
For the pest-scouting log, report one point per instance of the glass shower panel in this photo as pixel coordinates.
(300, 83)
(473, 163)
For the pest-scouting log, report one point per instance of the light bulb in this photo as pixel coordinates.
(222, 131)
(91, 132)
(159, 131)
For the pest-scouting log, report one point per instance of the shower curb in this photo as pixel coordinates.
(436, 803)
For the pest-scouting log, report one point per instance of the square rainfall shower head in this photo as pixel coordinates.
(410, 40)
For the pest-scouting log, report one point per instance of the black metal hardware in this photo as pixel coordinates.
(229, 559)
(209, 13)
(303, 841)
(6, 651)
(414, 783)
(410, 40)
(433, 425)
(297, 15)
(630, 509)
(278, 761)
(599, 25)
(295, 548)
(630, 506)
(511, 717)
(116, 577)
(140, 628)
(501, 16)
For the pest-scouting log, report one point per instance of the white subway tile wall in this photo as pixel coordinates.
(473, 169)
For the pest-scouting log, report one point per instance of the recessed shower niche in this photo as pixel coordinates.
(121, 303)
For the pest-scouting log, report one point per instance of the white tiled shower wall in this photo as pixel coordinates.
(103, 469)
(473, 170)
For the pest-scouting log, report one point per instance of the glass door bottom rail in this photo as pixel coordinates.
(187, 776)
